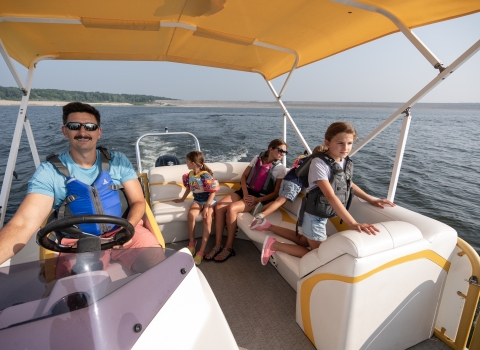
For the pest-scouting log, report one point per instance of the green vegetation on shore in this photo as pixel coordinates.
(15, 94)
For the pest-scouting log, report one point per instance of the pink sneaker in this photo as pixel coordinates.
(260, 224)
(266, 251)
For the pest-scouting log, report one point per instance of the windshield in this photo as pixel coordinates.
(42, 289)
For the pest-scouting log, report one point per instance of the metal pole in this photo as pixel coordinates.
(11, 66)
(285, 111)
(166, 133)
(31, 141)
(12, 157)
(399, 156)
(437, 80)
(424, 50)
(284, 122)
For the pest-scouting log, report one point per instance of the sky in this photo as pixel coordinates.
(387, 70)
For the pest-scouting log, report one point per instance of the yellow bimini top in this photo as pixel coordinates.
(265, 36)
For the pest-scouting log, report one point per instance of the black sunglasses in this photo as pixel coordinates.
(77, 126)
(282, 151)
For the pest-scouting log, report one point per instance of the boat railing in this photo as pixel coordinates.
(160, 134)
(465, 329)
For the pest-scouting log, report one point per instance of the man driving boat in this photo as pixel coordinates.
(50, 187)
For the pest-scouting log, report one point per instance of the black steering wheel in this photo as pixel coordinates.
(66, 226)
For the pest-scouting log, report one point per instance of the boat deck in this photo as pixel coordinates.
(258, 303)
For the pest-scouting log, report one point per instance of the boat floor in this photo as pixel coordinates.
(259, 304)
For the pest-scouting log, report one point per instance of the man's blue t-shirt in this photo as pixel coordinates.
(49, 181)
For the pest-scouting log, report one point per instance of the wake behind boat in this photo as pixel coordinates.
(392, 291)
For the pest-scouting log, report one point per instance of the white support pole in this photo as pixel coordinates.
(399, 156)
(437, 80)
(285, 111)
(279, 48)
(31, 141)
(48, 20)
(424, 50)
(12, 157)
(11, 66)
(284, 122)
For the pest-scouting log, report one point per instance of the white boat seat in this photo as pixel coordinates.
(366, 287)
(166, 185)
(392, 235)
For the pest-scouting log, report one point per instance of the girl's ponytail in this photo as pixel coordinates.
(198, 158)
(320, 148)
(207, 169)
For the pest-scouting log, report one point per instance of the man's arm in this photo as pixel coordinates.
(26, 221)
(136, 201)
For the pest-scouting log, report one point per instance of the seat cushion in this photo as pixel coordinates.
(392, 235)
(166, 185)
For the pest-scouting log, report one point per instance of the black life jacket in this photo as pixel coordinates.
(315, 202)
(102, 197)
(261, 177)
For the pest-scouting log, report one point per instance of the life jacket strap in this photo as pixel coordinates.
(53, 158)
(104, 154)
(105, 157)
(270, 175)
(63, 206)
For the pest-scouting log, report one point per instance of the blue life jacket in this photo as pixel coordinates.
(101, 197)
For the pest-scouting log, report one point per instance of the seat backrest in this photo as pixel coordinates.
(392, 235)
(430, 228)
(166, 182)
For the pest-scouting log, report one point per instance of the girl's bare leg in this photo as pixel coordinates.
(220, 213)
(293, 249)
(207, 228)
(192, 215)
(231, 221)
(289, 234)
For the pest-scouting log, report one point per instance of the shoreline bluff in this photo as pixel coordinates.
(62, 103)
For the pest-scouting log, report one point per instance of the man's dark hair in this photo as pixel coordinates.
(74, 107)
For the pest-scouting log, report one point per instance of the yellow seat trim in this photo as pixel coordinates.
(286, 217)
(154, 225)
(232, 185)
(339, 226)
(167, 183)
(309, 284)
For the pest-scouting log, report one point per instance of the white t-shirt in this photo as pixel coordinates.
(319, 170)
(278, 172)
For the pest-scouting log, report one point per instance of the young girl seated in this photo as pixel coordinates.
(201, 183)
(339, 139)
(289, 189)
(260, 183)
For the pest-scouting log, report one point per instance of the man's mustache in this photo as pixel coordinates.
(82, 137)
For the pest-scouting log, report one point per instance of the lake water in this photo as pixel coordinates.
(439, 176)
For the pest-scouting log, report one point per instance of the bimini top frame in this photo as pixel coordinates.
(208, 40)
(217, 39)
